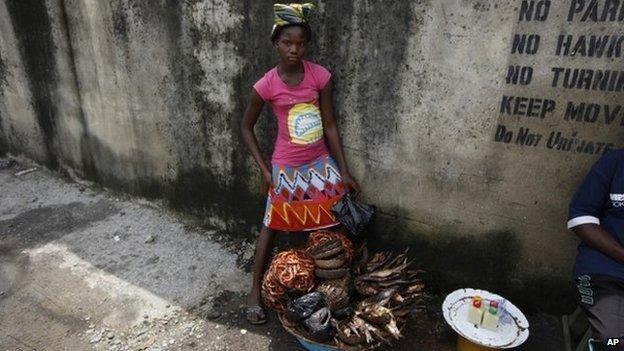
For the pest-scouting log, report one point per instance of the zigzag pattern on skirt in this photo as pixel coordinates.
(296, 184)
(303, 196)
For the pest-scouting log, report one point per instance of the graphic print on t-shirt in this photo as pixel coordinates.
(617, 200)
(304, 124)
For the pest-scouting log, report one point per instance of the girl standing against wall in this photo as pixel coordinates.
(308, 172)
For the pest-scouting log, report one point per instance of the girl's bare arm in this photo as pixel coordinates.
(250, 117)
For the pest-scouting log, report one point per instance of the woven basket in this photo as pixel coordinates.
(336, 292)
(304, 339)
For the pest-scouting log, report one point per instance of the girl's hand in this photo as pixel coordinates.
(266, 182)
(350, 182)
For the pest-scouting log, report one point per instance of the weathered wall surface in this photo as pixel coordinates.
(452, 146)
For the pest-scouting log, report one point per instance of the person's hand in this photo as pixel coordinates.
(351, 183)
(267, 182)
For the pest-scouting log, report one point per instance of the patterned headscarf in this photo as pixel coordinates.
(291, 14)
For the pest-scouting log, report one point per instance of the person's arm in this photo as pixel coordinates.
(250, 117)
(330, 129)
(598, 238)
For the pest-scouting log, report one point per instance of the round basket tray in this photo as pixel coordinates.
(312, 345)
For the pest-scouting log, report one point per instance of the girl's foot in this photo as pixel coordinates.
(255, 315)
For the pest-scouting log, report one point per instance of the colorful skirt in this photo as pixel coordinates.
(302, 197)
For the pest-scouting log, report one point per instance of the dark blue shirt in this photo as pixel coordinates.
(600, 200)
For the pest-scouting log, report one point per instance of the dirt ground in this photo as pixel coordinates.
(85, 269)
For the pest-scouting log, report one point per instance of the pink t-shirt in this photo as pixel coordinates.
(300, 137)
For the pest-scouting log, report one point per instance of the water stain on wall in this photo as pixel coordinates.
(32, 27)
(87, 163)
(120, 21)
(3, 73)
(379, 81)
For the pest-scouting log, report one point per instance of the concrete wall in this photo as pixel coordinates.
(146, 97)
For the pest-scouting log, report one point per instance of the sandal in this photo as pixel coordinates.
(256, 315)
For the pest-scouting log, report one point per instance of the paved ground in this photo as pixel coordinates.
(81, 269)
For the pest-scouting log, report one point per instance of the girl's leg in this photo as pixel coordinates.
(255, 314)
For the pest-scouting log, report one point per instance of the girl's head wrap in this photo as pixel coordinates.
(291, 14)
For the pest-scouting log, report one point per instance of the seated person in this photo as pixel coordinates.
(597, 217)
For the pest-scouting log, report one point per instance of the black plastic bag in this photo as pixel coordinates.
(319, 325)
(303, 307)
(343, 313)
(352, 214)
